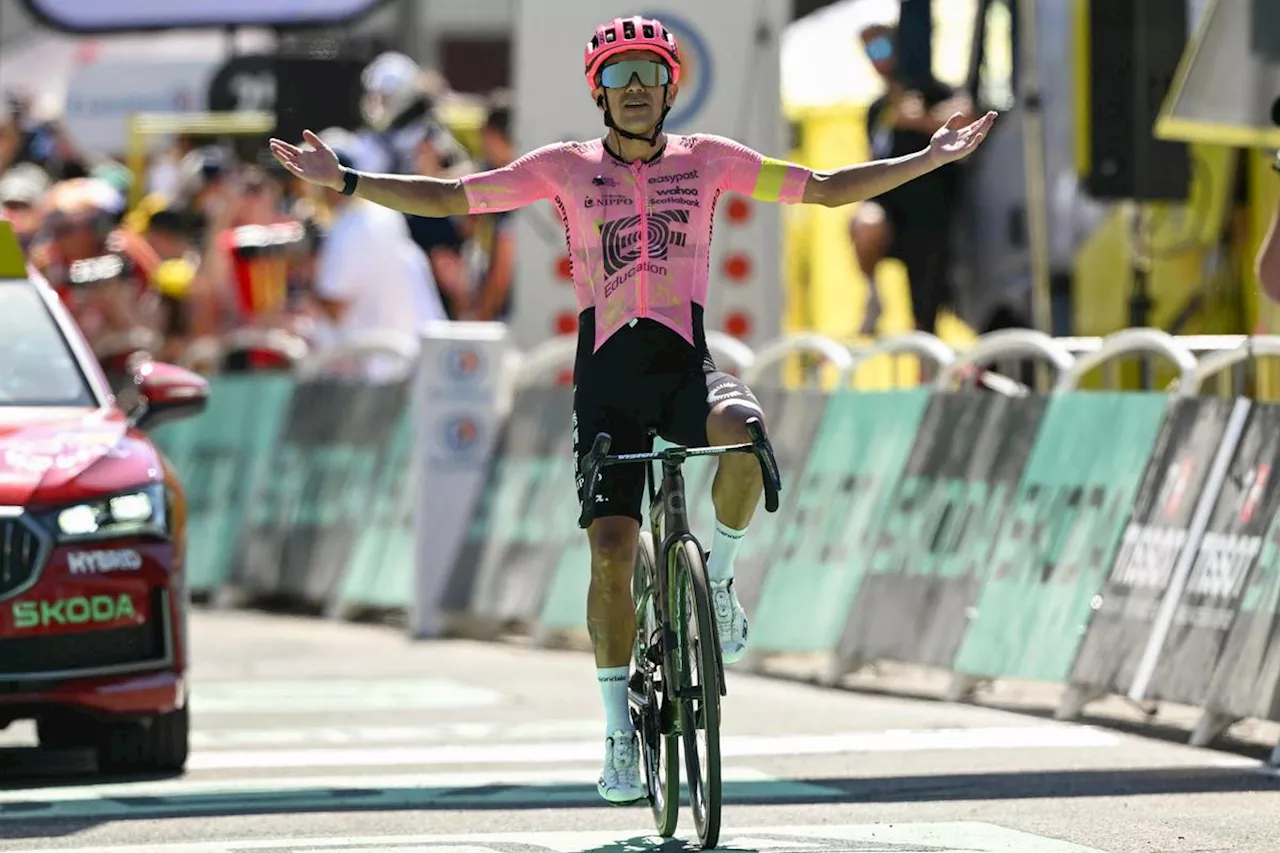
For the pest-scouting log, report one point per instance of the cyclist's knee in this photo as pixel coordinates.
(727, 422)
(613, 544)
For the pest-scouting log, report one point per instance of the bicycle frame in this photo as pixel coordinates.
(669, 525)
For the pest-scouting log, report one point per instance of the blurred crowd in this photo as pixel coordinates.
(229, 263)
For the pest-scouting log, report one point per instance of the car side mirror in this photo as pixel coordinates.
(166, 393)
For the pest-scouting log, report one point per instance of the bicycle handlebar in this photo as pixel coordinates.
(598, 458)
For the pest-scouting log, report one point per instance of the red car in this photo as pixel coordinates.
(93, 640)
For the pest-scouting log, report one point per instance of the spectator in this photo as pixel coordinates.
(80, 223)
(398, 106)
(167, 234)
(913, 222)
(403, 136)
(21, 190)
(1267, 264)
(370, 275)
(441, 241)
(260, 246)
(495, 239)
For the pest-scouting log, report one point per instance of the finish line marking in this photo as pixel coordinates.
(497, 789)
(749, 746)
(871, 838)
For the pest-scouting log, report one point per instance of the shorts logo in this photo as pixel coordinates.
(730, 388)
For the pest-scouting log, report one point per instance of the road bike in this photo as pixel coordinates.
(677, 676)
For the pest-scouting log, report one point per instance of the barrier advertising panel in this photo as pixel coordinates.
(513, 542)
(456, 424)
(309, 508)
(1246, 678)
(1055, 548)
(1159, 530)
(221, 461)
(830, 508)
(934, 543)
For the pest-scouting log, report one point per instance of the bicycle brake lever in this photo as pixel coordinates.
(768, 464)
(592, 463)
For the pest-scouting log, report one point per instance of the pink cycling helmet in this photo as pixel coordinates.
(634, 33)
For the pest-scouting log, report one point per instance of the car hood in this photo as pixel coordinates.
(60, 455)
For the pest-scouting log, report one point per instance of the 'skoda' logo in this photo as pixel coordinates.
(73, 611)
(620, 238)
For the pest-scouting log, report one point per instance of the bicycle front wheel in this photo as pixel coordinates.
(700, 687)
(660, 752)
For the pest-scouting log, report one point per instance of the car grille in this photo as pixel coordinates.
(90, 652)
(20, 554)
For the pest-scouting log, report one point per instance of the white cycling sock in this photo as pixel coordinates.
(724, 549)
(613, 689)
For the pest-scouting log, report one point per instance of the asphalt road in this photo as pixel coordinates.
(313, 736)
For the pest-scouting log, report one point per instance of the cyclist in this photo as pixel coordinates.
(637, 208)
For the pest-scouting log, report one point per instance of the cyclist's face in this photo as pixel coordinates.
(636, 107)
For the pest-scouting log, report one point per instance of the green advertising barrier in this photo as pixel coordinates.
(303, 521)
(380, 574)
(220, 457)
(820, 552)
(526, 516)
(933, 544)
(1054, 550)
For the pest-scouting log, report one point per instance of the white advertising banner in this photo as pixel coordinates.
(109, 15)
(101, 96)
(457, 420)
(730, 85)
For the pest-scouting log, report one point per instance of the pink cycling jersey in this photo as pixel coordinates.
(607, 206)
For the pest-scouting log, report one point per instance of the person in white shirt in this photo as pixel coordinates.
(371, 276)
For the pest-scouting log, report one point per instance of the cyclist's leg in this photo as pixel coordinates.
(613, 536)
(713, 408)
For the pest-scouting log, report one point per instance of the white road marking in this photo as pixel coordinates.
(208, 739)
(1047, 736)
(499, 788)
(964, 837)
(336, 695)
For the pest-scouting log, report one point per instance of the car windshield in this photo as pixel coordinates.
(37, 367)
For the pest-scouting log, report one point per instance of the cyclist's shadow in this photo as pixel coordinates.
(657, 844)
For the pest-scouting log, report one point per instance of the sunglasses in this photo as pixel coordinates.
(649, 71)
(879, 49)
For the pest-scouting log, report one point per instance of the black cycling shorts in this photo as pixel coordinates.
(644, 377)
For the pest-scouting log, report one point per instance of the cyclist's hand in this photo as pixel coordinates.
(317, 164)
(955, 140)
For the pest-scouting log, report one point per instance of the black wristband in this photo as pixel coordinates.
(349, 180)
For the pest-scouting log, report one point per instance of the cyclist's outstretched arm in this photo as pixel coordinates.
(953, 141)
(766, 179)
(497, 190)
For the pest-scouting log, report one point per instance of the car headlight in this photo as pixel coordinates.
(140, 512)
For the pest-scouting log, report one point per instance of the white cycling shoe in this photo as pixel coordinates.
(731, 621)
(620, 780)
